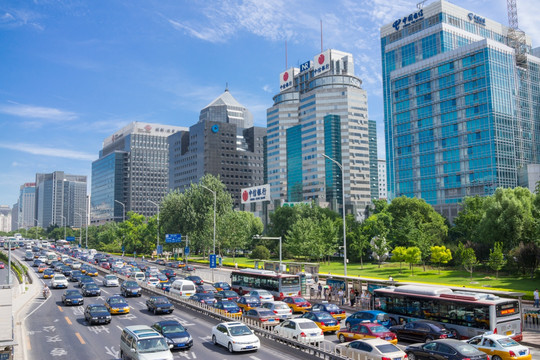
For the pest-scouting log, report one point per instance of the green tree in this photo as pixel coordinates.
(359, 239)
(440, 255)
(468, 258)
(260, 252)
(398, 255)
(413, 255)
(380, 248)
(236, 228)
(496, 259)
(465, 227)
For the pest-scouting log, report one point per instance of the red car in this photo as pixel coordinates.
(2, 265)
(105, 265)
(366, 330)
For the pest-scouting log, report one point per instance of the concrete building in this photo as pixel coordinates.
(529, 176)
(321, 109)
(381, 167)
(223, 143)
(27, 205)
(461, 105)
(59, 197)
(5, 218)
(131, 172)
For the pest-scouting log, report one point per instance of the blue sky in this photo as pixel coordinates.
(73, 72)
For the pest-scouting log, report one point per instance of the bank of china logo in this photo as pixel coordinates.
(215, 128)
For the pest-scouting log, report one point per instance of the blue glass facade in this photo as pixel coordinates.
(107, 186)
(294, 163)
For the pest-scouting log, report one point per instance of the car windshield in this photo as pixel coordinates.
(116, 301)
(72, 292)
(281, 306)
(324, 316)
(99, 308)
(229, 293)
(307, 325)
(131, 284)
(161, 300)
(91, 286)
(507, 342)
(110, 277)
(170, 329)
(152, 345)
(378, 329)
(240, 330)
(229, 305)
(59, 277)
(387, 348)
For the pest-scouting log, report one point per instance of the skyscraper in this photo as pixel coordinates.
(59, 197)
(131, 172)
(223, 143)
(321, 109)
(382, 179)
(6, 222)
(462, 111)
(27, 205)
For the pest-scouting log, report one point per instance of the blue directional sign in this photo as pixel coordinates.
(173, 238)
(159, 249)
(186, 250)
(70, 238)
(212, 261)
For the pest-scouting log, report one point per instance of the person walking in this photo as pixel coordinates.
(352, 297)
(340, 296)
(536, 297)
(326, 293)
(319, 291)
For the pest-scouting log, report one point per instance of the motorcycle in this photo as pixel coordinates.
(46, 293)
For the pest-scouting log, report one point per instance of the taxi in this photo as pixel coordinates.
(48, 273)
(248, 302)
(116, 304)
(222, 286)
(332, 309)
(324, 320)
(228, 307)
(297, 304)
(500, 346)
(92, 272)
(42, 268)
(366, 330)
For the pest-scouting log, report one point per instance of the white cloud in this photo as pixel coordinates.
(267, 88)
(47, 151)
(37, 112)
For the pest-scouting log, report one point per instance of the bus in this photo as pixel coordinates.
(465, 313)
(279, 285)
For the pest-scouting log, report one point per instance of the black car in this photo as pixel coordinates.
(205, 288)
(75, 275)
(85, 279)
(226, 295)
(66, 270)
(203, 298)
(168, 273)
(91, 289)
(72, 297)
(449, 349)
(159, 304)
(421, 330)
(36, 263)
(175, 334)
(130, 288)
(97, 314)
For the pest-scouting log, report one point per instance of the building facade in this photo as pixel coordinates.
(321, 109)
(223, 143)
(131, 173)
(5, 218)
(381, 168)
(27, 205)
(461, 109)
(60, 199)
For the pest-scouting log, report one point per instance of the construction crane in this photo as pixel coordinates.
(516, 37)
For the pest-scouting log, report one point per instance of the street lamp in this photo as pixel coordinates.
(157, 245)
(343, 210)
(86, 226)
(124, 209)
(64, 220)
(259, 237)
(80, 239)
(215, 195)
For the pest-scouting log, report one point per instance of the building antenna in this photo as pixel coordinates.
(226, 86)
(321, 38)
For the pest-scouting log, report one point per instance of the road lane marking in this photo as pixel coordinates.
(59, 308)
(80, 338)
(68, 321)
(254, 357)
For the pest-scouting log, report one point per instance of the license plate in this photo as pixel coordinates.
(315, 334)
(249, 347)
(523, 352)
(120, 310)
(508, 333)
(182, 344)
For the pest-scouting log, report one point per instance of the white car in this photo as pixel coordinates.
(500, 346)
(262, 295)
(374, 348)
(76, 265)
(303, 330)
(152, 281)
(281, 309)
(59, 281)
(235, 336)
(110, 280)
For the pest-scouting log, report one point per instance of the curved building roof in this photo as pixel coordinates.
(225, 108)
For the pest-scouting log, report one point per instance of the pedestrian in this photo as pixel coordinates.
(536, 297)
(340, 296)
(326, 293)
(352, 297)
(356, 295)
(319, 291)
(143, 258)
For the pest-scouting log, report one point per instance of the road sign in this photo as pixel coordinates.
(186, 250)
(212, 261)
(159, 249)
(123, 248)
(173, 238)
(70, 238)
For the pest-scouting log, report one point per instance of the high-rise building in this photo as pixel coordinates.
(382, 179)
(132, 172)
(15, 216)
(223, 143)
(462, 111)
(5, 218)
(321, 109)
(27, 205)
(373, 160)
(59, 198)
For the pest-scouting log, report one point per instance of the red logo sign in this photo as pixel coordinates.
(286, 76)
(148, 128)
(321, 59)
(245, 196)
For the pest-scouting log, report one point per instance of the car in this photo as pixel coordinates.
(373, 349)
(297, 304)
(303, 330)
(105, 265)
(281, 309)
(72, 297)
(374, 316)
(85, 279)
(169, 273)
(91, 289)
(92, 272)
(366, 331)
(500, 347)
(421, 331)
(262, 316)
(332, 309)
(222, 286)
(76, 265)
(196, 279)
(66, 270)
(152, 281)
(116, 304)
(324, 320)
(175, 334)
(75, 275)
(248, 302)
(160, 262)
(235, 336)
(228, 307)
(110, 280)
(97, 314)
(262, 295)
(162, 277)
(449, 349)
(141, 342)
(165, 286)
(203, 298)
(47, 273)
(42, 267)
(2, 265)
(36, 262)
(205, 288)
(130, 288)
(59, 281)
(159, 304)
(226, 295)
(189, 268)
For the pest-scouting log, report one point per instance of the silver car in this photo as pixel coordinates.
(282, 310)
(110, 280)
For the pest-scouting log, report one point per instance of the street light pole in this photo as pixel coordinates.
(215, 197)
(272, 238)
(123, 210)
(65, 228)
(343, 211)
(157, 245)
(80, 239)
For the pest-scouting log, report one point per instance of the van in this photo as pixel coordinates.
(138, 276)
(141, 342)
(183, 288)
(28, 255)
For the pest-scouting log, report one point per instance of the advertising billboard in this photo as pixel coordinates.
(255, 194)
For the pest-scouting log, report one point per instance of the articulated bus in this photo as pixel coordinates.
(465, 313)
(279, 285)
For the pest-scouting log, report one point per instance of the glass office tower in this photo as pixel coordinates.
(461, 117)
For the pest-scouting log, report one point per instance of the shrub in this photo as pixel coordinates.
(260, 252)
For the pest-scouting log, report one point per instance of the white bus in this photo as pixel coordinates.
(465, 313)
(279, 285)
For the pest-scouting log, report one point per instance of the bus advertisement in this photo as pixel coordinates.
(465, 313)
(279, 285)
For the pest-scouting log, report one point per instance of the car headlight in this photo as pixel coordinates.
(169, 341)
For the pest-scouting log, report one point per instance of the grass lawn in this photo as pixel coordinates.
(481, 278)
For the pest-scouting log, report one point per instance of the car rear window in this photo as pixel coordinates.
(307, 325)
(387, 348)
(188, 287)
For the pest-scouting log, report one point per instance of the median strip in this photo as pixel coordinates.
(80, 338)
